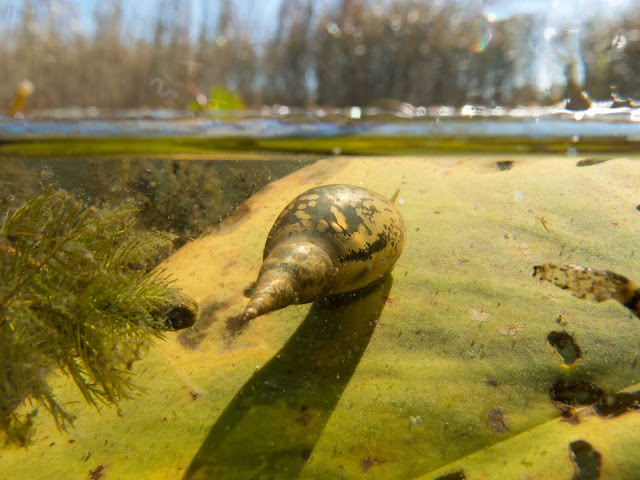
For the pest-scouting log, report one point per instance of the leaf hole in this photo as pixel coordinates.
(586, 460)
(452, 476)
(565, 346)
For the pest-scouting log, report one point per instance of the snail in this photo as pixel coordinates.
(329, 240)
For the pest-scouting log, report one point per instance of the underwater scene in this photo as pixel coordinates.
(337, 239)
(472, 314)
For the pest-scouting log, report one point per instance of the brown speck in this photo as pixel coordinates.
(491, 382)
(194, 395)
(99, 472)
(304, 417)
(497, 421)
(504, 165)
(573, 416)
(390, 301)
(368, 462)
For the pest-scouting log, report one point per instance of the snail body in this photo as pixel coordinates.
(329, 240)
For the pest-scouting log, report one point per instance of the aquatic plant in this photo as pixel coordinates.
(220, 98)
(78, 295)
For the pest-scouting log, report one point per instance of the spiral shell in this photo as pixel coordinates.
(329, 240)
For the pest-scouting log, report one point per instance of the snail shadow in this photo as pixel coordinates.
(271, 426)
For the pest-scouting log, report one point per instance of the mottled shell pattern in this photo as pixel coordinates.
(329, 240)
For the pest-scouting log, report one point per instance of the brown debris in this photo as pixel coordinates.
(99, 472)
(368, 462)
(497, 420)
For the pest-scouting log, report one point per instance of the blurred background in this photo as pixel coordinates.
(180, 54)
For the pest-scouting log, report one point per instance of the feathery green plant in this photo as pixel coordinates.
(77, 294)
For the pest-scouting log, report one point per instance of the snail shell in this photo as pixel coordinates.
(329, 240)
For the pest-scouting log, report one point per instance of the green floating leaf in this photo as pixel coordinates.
(220, 98)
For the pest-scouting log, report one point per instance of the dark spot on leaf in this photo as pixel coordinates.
(491, 382)
(99, 472)
(304, 417)
(306, 454)
(588, 162)
(617, 404)
(565, 346)
(235, 326)
(575, 394)
(586, 460)
(182, 316)
(638, 207)
(497, 421)
(194, 395)
(368, 462)
(504, 165)
(452, 476)
(192, 337)
(567, 395)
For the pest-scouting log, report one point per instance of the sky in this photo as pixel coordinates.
(139, 15)
(262, 14)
